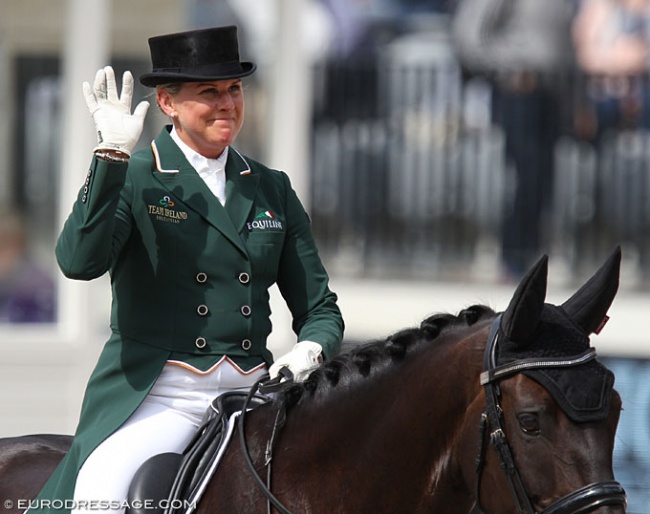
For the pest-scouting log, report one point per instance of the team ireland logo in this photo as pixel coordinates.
(164, 211)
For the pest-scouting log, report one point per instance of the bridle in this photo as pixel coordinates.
(581, 501)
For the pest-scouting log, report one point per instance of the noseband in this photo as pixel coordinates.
(581, 501)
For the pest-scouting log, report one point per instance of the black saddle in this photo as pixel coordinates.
(167, 483)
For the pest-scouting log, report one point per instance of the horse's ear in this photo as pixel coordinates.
(588, 306)
(520, 319)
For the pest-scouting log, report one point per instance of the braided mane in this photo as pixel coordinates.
(364, 360)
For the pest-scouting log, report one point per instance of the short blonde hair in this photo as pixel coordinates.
(172, 88)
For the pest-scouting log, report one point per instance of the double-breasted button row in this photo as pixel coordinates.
(203, 310)
(201, 342)
(243, 277)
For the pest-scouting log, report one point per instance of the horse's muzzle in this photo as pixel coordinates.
(589, 498)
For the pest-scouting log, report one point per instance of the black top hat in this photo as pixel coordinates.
(196, 55)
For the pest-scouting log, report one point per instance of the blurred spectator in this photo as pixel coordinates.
(524, 48)
(415, 7)
(27, 293)
(260, 21)
(612, 41)
(361, 26)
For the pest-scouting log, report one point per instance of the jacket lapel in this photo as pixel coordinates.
(181, 179)
(241, 186)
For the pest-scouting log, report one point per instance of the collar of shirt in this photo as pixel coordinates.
(212, 171)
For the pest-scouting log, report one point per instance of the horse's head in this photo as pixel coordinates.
(551, 410)
(391, 426)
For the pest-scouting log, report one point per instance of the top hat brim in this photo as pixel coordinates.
(157, 77)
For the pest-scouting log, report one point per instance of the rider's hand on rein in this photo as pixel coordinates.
(300, 360)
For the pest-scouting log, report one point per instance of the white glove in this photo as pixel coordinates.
(301, 360)
(117, 128)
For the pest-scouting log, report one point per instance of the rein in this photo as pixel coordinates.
(582, 500)
(264, 385)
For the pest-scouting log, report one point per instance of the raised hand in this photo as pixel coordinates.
(117, 128)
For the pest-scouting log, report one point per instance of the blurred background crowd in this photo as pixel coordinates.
(447, 129)
(450, 139)
(433, 140)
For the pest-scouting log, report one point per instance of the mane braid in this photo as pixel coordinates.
(363, 359)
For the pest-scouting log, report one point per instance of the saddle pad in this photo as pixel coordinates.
(203, 480)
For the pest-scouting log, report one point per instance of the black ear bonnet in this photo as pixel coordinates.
(530, 328)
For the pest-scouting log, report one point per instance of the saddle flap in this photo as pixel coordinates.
(152, 483)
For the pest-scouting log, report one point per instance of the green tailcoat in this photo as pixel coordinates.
(190, 277)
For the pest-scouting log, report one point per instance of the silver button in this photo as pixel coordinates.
(244, 277)
(83, 198)
(201, 277)
(246, 344)
(200, 342)
(245, 310)
(202, 310)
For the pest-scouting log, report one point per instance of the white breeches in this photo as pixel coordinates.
(165, 422)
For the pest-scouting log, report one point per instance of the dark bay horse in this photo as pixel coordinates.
(500, 413)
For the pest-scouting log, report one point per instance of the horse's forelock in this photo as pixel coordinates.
(363, 360)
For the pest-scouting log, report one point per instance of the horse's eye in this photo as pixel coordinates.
(529, 423)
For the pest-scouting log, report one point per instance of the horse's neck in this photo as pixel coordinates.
(390, 440)
(404, 421)
(423, 399)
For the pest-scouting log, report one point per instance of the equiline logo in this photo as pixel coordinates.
(264, 221)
